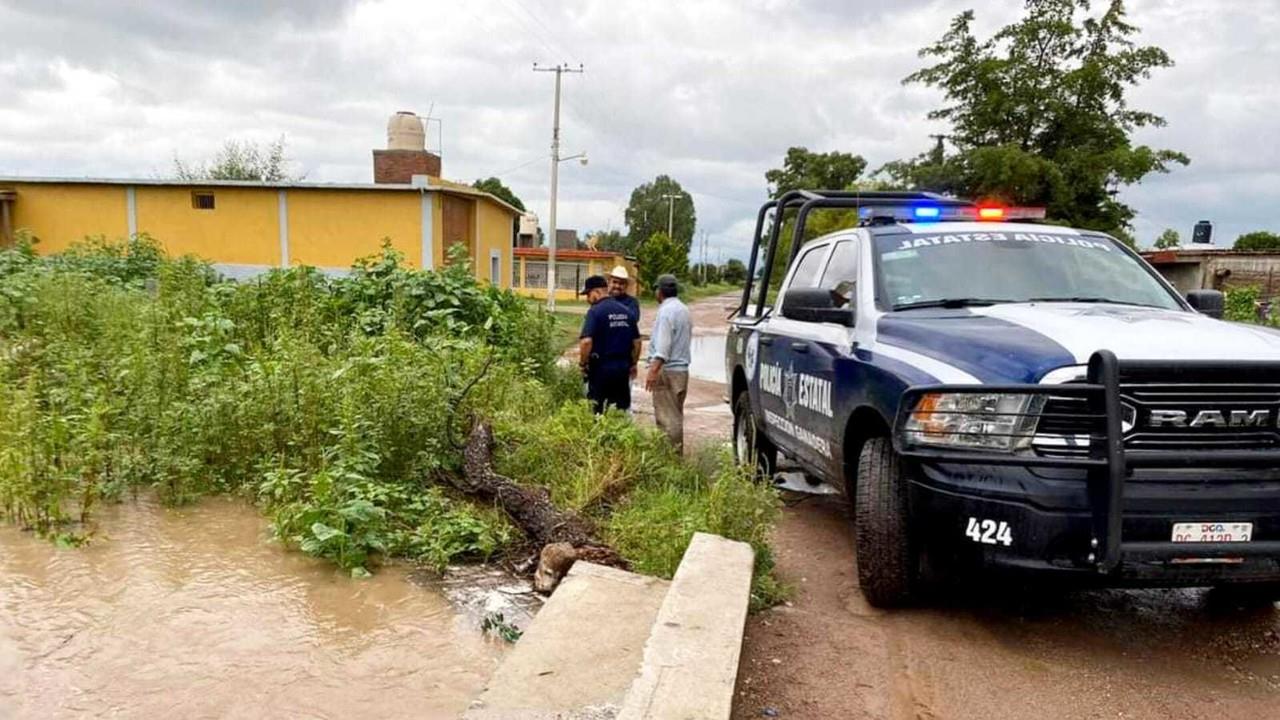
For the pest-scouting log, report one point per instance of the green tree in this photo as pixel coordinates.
(647, 211)
(734, 272)
(241, 160)
(805, 170)
(613, 241)
(1039, 115)
(1258, 240)
(660, 255)
(494, 187)
(704, 273)
(1168, 239)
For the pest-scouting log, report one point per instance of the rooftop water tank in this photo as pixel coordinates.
(405, 132)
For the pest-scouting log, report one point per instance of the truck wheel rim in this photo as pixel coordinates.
(743, 441)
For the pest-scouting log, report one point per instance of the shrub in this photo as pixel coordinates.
(335, 404)
(1244, 305)
(647, 502)
(329, 401)
(1257, 240)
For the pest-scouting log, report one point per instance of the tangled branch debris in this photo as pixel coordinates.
(563, 536)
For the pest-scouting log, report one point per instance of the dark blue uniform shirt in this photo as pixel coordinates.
(612, 328)
(632, 304)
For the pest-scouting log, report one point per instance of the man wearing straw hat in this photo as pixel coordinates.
(619, 281)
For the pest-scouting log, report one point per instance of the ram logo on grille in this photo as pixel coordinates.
(1209, 419)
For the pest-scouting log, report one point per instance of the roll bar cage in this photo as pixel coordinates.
(805, 202)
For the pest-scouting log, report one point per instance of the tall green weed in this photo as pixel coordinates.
(337, 405)
(329, 401)
(646, 501)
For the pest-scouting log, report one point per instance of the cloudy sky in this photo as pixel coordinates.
(710, 92)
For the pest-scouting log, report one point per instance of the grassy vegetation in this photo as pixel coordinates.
(337, 405)
(568, 326)
(646, 500)
(1242, 305)
(690, 292)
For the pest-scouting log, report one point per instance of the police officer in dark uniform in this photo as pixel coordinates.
(608, 347)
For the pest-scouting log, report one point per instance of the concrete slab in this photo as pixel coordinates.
(579, 655)
(691, 658)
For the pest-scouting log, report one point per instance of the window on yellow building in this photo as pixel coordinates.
(535, 274)
(202, 200)
(570, 275)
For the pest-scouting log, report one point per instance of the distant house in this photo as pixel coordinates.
(573, 267)
(528, 234)
(567, 240)
(1218, 269)
(246, 228)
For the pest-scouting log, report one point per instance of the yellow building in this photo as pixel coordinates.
(245, 228)
(573, 267)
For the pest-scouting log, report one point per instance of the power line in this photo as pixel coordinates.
(533, 33)
(534, 18)
(521, 165)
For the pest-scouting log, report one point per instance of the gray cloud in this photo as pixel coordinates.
(710, 92)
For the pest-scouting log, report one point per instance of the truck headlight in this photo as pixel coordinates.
(987, 421)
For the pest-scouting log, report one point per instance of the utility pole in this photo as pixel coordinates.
(671, 213)
(555, 180)
(704, 257)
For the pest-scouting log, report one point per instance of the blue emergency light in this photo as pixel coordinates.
(935, 213)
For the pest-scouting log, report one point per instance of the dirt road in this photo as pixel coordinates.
(999, 653)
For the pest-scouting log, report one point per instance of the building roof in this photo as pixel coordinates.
(566, 254)
(1189, 255)
(433, 185)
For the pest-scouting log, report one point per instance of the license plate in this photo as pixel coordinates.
(1211, 532)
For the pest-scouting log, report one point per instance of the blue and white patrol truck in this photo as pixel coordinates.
(999, 394)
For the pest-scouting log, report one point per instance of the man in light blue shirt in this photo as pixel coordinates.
(669, 354)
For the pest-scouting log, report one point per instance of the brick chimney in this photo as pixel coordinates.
(406, 153)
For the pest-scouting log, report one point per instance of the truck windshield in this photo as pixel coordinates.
(983, 268)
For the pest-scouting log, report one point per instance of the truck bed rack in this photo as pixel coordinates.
(805, 202)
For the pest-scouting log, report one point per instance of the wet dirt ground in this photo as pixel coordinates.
(986, 652)
(707, 418)
(196, 613)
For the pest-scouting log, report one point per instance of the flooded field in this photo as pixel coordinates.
(196, 613)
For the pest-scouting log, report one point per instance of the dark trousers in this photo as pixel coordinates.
(609, 387)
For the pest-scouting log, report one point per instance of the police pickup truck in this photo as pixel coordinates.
(998, 394)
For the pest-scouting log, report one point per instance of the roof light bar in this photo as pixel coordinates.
(1024, 213)
(934, 213)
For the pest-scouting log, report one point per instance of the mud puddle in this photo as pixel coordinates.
(196, 613)
(707, 357)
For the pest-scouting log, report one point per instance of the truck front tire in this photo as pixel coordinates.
(749, 443)
(888, 556)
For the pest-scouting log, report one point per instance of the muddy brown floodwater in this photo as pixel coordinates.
(196, 613)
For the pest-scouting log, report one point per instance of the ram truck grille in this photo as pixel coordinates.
(1169, 416)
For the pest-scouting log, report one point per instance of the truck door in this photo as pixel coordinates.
(786, 364)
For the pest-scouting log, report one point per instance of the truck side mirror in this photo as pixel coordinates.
(1207, 302)
(815, 305)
